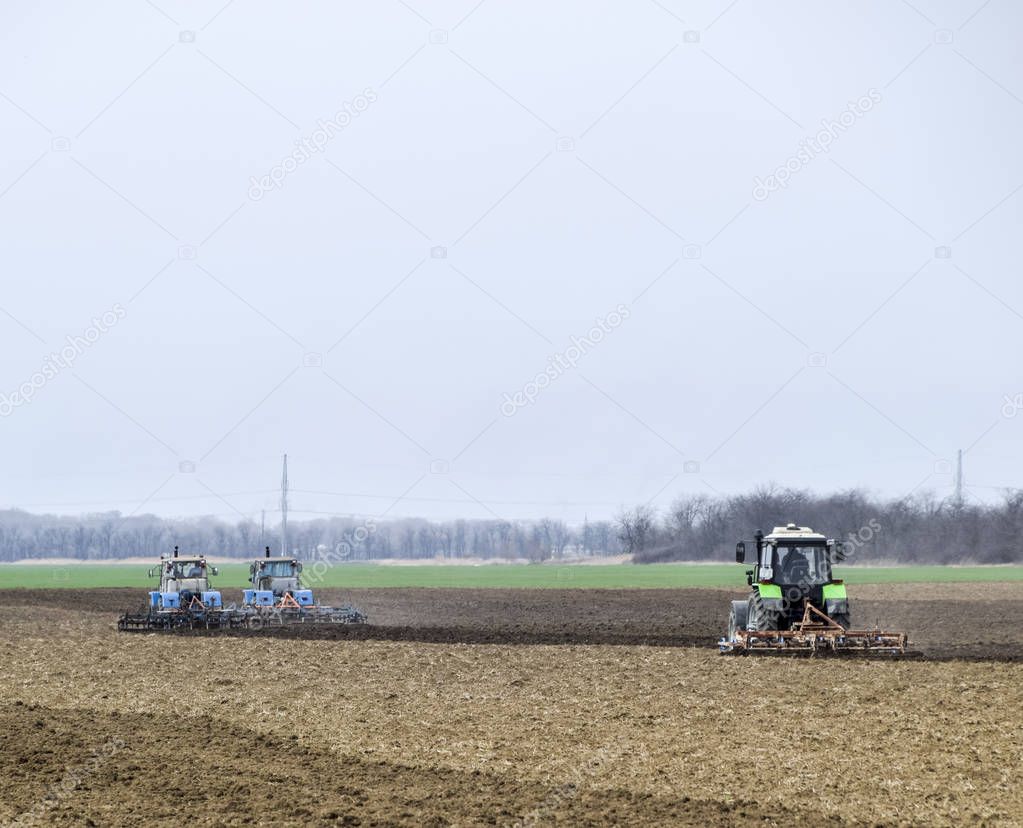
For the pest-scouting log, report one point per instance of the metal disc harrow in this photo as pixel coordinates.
(232, 617)
(816, 633)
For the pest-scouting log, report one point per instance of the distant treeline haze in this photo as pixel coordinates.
(920, 529)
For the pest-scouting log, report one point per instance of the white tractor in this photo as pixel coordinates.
(184, 584)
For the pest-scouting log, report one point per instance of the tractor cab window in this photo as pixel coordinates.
(278, 569)
(802, 565)
(185, 569)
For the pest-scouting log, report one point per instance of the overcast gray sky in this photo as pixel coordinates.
(498, 178)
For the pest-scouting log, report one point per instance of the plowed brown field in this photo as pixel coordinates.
(618, 712)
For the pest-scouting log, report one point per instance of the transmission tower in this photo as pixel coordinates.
(284, 508)
(959, 478)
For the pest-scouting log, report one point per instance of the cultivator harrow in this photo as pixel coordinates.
(287, 612)
(816, 633)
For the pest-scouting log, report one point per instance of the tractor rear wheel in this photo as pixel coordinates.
(737, 618)
(760, 618)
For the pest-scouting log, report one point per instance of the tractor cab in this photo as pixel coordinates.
(183, 582)
(276, 581)
(792, 556)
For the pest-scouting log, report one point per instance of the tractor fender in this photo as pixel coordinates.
(769, 598)
(836, 602)
(833, 592)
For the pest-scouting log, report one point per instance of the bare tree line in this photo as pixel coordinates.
(919, 529)
(110, 536)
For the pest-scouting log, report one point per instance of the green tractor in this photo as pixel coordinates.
(795, 602)
(792, 567)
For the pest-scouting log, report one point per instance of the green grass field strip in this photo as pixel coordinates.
(653, 576)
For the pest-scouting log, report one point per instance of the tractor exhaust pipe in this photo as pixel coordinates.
(268, 551)
(175, 551)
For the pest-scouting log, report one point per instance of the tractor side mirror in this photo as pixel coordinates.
(838, 551)
(749, 577)
(214, 570)
(150, 573)
(740, 552)
(298, 567)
